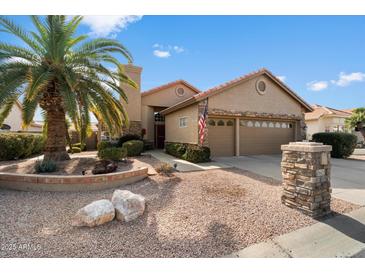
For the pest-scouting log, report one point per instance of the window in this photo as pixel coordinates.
(264, 124)
(257, 124)
(183, 122)
(250, 124)
(242, 123)
(211, 123)
(230, 123)
(180, 91)
(261, 87)
(220, 123)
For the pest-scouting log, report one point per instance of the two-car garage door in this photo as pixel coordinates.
(255, 136)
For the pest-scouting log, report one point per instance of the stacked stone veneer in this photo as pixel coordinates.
(135, 127)
(305, 170)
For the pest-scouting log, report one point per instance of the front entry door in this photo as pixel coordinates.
(159, 136)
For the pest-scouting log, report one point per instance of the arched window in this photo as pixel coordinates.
(211, 123)
(220, 123)
(264, 124)
(5, 127)
(257, 124)
(230, 123)
(242, 123)
(277, 125)
(271, 124)
(250, 124)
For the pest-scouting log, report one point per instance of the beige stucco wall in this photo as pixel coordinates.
(244, 97)
(187, 134)
(162, 98)
(167, 97)
(148, 122)
(320, 125)
(133, 106)
(14, 120)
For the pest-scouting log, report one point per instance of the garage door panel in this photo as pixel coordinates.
(221, 137)
(256, 137)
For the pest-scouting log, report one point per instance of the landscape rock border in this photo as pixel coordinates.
(34, 182)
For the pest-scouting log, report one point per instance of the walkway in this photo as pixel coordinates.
(185, 166)
(341, 236)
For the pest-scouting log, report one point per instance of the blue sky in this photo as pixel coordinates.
(319, 57)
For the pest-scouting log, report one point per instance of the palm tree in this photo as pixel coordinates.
(64, 74)
(357, 121)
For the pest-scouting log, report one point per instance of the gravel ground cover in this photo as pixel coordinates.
(198, 214)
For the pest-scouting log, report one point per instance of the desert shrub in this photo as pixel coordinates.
(45, 166)
(104, 144)
(133, 147)
(176, 149)
(343, 144)
(112, 153)
(197, 154)
(20, 145)
(74, 150)
(165, 169)
(81, 146)
(126, 138)
(190, 152)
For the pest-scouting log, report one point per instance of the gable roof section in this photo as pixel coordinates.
(171, 84)
(234, 82)
(320, 111)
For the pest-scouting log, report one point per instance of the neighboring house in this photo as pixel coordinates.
(254, 114)
(14, 121)
(325, 119)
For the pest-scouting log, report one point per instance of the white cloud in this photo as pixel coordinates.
(178, 49)
(346, 79)
(281, 78)
(165, 51)
(109, 25)
(161, 53)
(317, 85)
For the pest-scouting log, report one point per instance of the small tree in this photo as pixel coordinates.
(357, 121)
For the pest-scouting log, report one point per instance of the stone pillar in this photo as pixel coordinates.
(237, 137)
(305, 168)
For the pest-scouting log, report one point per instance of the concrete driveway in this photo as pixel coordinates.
(347, 176)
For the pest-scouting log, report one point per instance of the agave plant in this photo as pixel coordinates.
(65, 75)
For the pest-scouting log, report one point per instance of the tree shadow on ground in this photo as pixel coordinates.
(346, 225)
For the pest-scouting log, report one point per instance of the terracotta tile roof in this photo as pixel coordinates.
(221, 87)
(319, 111)
(162, 87)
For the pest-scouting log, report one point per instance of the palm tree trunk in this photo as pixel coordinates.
(55, 147)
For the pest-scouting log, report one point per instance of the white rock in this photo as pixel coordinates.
(128, 206)
(94, 214)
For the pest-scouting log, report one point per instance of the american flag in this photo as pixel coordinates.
(203, 123)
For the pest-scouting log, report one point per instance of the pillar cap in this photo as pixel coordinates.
(306, 147)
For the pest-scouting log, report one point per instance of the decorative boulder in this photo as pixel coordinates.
(94, 214)
(128, 206)
(104, 166)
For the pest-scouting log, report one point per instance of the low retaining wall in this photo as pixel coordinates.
(34, 182)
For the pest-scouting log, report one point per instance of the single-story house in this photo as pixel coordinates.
(253, 114)
(13, 121)
(325, 119)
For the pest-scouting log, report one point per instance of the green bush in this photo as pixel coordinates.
(126, 138)
(74, 150)
(197, 154)
(82, 147)
(45, 166)
(343, 144)
(134, 147)
(104, 144)
(112, 153)
(190, 152)
(20, 145)
(176, 149)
